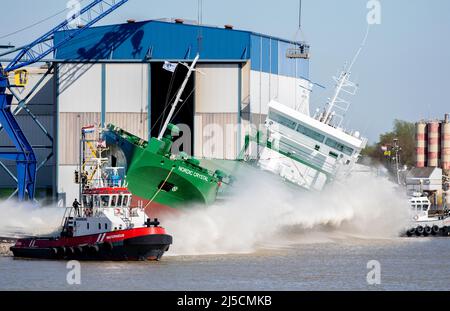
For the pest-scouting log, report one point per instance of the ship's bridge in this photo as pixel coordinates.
(106, 197)
(315, 135)
(319, 150)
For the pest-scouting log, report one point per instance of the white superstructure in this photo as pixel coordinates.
(306, 151)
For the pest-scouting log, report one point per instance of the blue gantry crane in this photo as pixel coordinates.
(34, 52)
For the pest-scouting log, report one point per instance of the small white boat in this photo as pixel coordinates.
(425, 220)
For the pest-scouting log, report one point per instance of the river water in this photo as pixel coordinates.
(267, 236)
(406, 264)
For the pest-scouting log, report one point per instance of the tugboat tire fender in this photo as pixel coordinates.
(427, 231)
(70, 251)
(108, 246)
(435, 230)
(93, 249)
(61, 251)
(419, 230)
(78, 250)
(53, 251)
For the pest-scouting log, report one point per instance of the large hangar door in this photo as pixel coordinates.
(216, 111)
(164, 86)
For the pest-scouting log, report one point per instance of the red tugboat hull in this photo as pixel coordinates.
(125, 245)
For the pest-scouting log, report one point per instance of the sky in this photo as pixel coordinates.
(403, 72)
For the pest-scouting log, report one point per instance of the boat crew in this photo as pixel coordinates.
(76, 205)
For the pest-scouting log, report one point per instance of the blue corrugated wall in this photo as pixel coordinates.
(170, 41)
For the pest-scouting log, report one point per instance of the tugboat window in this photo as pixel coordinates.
(125, 200)
(96, 201)
(119, 200)
(113, 201)
(105, 200)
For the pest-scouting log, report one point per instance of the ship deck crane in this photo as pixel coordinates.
(35, 52)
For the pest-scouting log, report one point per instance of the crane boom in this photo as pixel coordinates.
(43, 46)
(34, 52)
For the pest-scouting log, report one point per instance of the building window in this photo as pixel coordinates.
(106, 226)
(310, 133)
(339, 147)
(99, 226)
(87, 225)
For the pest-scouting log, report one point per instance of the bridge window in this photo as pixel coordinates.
(338, 146)
(105, 200)
(119, 200)
(278, 118)
(310, 133)
(114, 200)
(96, 201)
(125, 200)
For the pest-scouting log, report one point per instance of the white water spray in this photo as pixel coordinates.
(267, 212)
(19, 219)
(263, 211)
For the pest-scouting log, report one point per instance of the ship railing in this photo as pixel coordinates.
(107, 182)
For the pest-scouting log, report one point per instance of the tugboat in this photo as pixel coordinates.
(426, 220)
(104, 225)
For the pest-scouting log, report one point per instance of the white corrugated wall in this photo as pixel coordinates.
(216, 111)
(80, 104)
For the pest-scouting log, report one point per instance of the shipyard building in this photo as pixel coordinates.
(114, 74)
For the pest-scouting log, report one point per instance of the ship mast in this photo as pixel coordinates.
(178, 98)
(343, 84)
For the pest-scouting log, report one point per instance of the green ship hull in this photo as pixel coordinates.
(158, 177)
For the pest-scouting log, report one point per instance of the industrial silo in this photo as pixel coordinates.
(421, 144)
(433, 144)
(445, 144)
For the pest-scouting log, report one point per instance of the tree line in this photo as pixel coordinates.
(405, 133)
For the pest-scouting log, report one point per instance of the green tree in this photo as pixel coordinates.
(405, 133)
